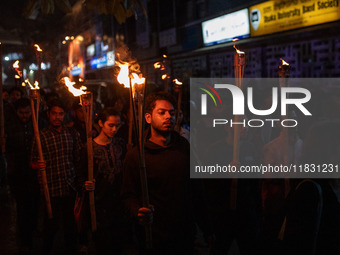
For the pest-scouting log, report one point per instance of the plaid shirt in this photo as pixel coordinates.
(61, 152)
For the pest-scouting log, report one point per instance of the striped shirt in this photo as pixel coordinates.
(61, 151)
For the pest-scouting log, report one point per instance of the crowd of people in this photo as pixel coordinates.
(262, 216)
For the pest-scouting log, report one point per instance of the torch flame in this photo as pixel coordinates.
(36, 84)
(284, 63)
(73, 90)
(164, 76)
(165, 56)
(137, 80)
(37, 46)
(157, 65)
(16, 64)
(123, 76)
(234, 40)
(16, 67)
(238, 51)
(177, 82)
(16, 76)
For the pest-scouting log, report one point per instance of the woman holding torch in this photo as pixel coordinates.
(108, 154)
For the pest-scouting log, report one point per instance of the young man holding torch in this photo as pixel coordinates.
(176, 200)
(61, 150)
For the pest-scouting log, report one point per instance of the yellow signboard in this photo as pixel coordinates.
(275, 16)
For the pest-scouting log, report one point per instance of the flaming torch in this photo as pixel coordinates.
(178, 89)
(123, 78)
(86, 101)
(239, 64)
(16, 68)
(35, 101)
(18, 76)
(163, 67)
(284, 73)
(38, 54)
(137, 90)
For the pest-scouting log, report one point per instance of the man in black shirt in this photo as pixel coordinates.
(176, 200)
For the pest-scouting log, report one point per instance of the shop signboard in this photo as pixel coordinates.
(276, 16)
(226, 28)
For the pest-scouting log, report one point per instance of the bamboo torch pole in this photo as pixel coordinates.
(2, 122)
(130, 124)
(137, 87)
(239, 63)
(165, 75)
(284, 73)
(86, 101)
(140, 94)
(38, 54)
(178, 89)
(35, 99)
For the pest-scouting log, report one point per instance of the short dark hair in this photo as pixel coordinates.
(106, 112)
(150, 101)
(56, 103)
(22, 103)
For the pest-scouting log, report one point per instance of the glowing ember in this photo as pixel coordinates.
(76, 92)
(164, 76)
(177, 82)
(238, 51)
(123, 76)
(137, 80)
(16, 76)
(284, 63)
(165, 56)
(23, 84)
(37, 46)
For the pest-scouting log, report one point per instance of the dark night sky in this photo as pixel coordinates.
(13, 23)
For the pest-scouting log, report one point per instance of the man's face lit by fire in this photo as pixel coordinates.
(24, 114)
(56, 116)
(162, 117)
